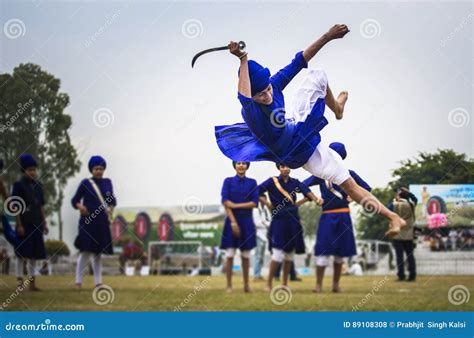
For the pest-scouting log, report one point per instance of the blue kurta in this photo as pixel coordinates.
(31, 244)
(262, 137)
(335, 233)
(240, 190)
(286, 232)
(94, 232)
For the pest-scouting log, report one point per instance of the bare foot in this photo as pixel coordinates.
(247, 289)
(229, 289)
(336, 289)
(395, 225)
(78, 286)
(341, 102)
(317, 289)
(268, 288)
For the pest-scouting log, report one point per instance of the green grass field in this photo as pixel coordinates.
(167, 293)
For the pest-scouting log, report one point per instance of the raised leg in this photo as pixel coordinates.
(371, 204)
(336, 105)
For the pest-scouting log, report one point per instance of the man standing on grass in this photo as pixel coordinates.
(239, 196)
(286, 232)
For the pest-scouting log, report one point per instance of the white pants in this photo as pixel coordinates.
(279, 255)
(82, 262)
(324, 163)
(324, 260)
(31, 267)
(230, 253)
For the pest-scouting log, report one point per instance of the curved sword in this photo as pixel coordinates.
(241, 46)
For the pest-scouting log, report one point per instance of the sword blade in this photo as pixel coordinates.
(205, 52)
(215, 49)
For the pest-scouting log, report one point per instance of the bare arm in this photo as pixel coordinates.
(244, 79)
(318, 201)
(245, 205)
(301, 201)
(263, 199)
(336, 32)
(233, 221)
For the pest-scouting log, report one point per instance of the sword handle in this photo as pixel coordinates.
(242, 45)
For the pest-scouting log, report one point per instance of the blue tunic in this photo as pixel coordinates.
(31, 244)
(335, 233)
(262, 137)
(286, 232)
(94, 232)
(240, 190)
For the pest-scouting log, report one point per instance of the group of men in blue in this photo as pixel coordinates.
(26, 204)
(335, 236)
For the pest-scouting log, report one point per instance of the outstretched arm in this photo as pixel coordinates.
(244, 79)
(336, 32)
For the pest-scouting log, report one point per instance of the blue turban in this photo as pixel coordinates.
(97, 161)
(259, 77)
(234, 163)
(27, 161)
(339, 148)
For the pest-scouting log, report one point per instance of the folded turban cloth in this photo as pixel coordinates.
(259, 77)
(27, 161)
(234, 163)
(97, 161)
(339, 148)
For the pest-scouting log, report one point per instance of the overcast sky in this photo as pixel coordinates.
(408, 67)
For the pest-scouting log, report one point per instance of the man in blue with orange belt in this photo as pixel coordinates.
(335, 235)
